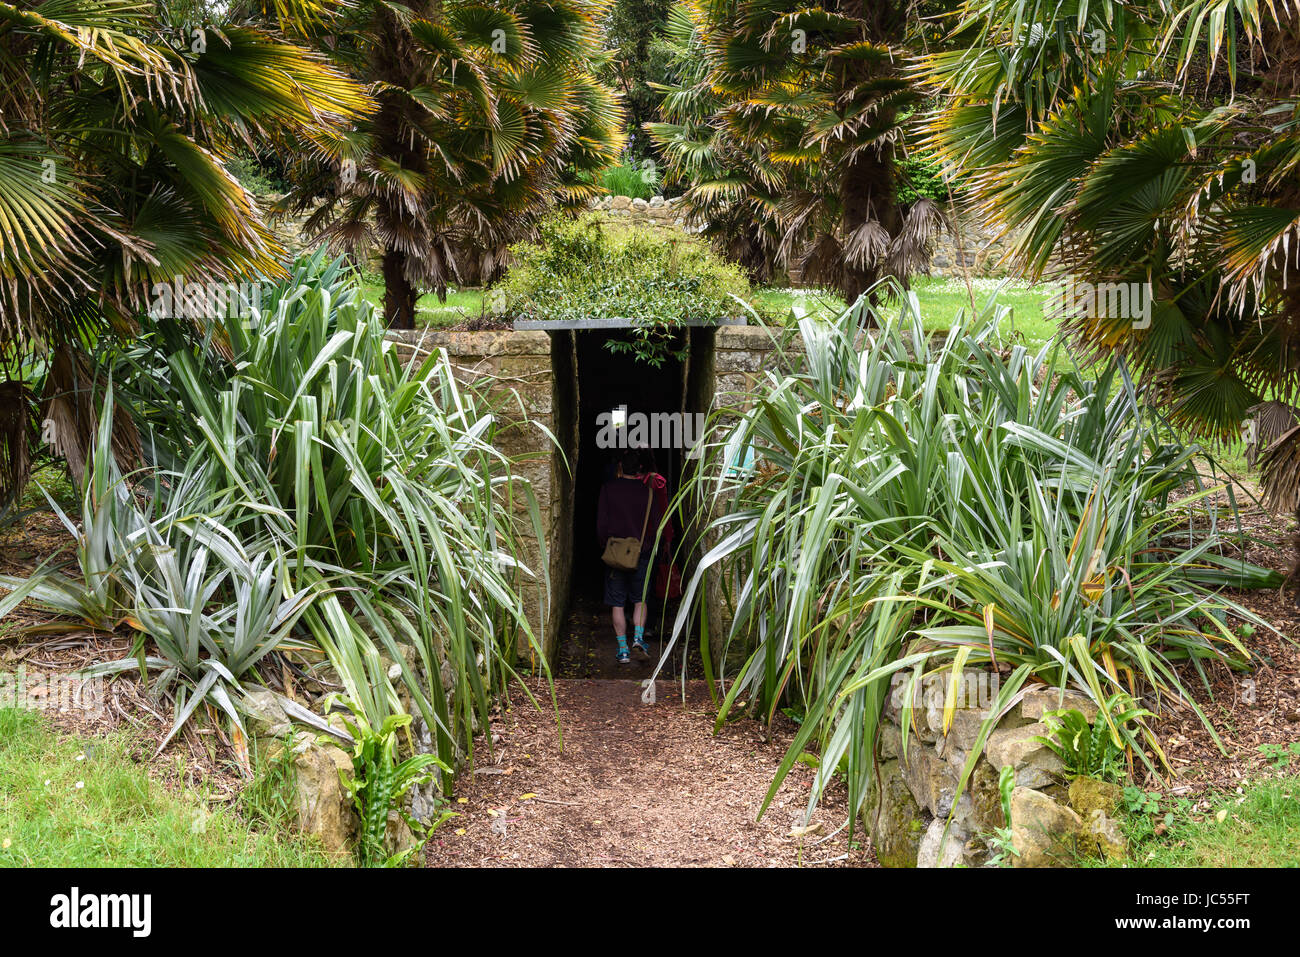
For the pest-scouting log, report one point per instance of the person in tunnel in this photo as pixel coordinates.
(632, 505)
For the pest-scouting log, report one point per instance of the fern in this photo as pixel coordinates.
(1092, 749)
(377, 785)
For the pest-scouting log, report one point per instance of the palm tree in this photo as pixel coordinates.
(792, 119)
(114, 121)
(489, 116)
(1156, 145)
(733, 189)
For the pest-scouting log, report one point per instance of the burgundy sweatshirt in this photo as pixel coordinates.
(622, 510)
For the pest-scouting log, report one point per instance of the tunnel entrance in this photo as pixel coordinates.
(610, 380)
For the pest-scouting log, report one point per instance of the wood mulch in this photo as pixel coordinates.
(1248, 709)
(637, 785)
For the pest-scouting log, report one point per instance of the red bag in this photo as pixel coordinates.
(668, 582)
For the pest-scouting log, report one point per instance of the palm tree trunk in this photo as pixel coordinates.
(866, 194)
(867, 189)
(15, 436)
(399, 294)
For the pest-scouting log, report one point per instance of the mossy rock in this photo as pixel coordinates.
(986, 798)
(897, 829)
(1090, 794)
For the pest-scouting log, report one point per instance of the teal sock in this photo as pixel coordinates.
(622, 641)
(640, 632)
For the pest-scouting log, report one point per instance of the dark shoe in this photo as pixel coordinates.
(640, 650)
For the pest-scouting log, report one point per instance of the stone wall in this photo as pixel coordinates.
(969, 247)
(1053, 821)
(515, 371)
(737, 360)
(656, 211)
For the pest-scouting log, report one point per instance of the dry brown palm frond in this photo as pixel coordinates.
(1269, 422)
(1280, 472)
(909, 251)
(822, 262)
(69, 415)
(866, 246)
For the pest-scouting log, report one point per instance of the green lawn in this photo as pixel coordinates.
(940, 301)
(1257, 828)
(940, 298)
(69, 802)
(460, 304)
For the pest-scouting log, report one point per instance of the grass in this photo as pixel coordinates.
(69, 802)
(1258, 828)
(461, 304)
(941, 299)
(638, 182)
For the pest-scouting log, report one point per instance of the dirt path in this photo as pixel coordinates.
(635, 785)
(588, 647)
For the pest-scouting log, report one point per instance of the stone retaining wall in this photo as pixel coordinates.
(1053, 821)
(656, 211)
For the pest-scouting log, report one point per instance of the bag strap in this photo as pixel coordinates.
(650, 499)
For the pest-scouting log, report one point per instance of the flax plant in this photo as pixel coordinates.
(921, 504)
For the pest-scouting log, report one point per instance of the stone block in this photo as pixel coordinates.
(322, 806)
(931, 779)
(1037, 701)
(740, 360)
(1036, 765)
(947, 844)
(1043, 833)
(893, 818)
(1089, 794)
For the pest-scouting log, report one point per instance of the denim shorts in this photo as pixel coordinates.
(620, 585)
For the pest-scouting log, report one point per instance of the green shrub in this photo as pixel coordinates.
(920, 177)
(314, 490)
(583, 268)
(254, 176)
(926, 505)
